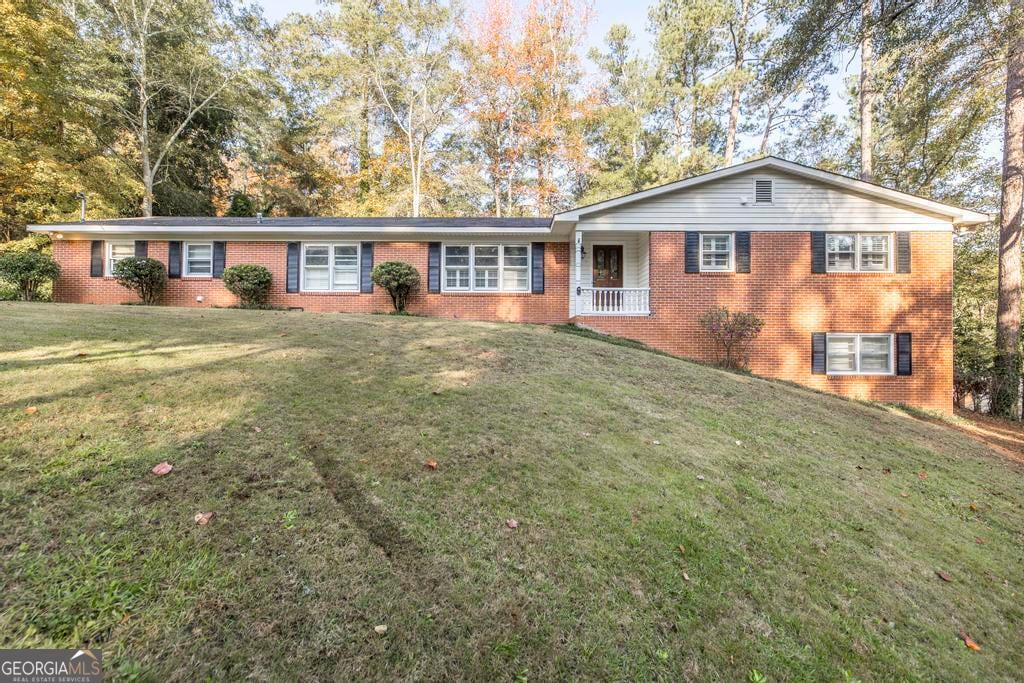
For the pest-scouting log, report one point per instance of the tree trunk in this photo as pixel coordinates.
(1007, 361)
(364, 146)
(147, 169)
(739, 53)
(867, 90)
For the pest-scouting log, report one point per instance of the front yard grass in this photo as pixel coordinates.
(675, 522)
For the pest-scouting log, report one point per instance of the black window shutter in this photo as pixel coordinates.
(174, 259)
(692, 257)
(903, 253)
(537, 268)
(366, 267)
(818, 353)
(141, 249)
(96, 259)
(292, 279)
(218, 258)
(904, 362)
(743, 252)
(434, 267)
(817, 252)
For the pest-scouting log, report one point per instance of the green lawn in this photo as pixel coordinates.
(675, 522)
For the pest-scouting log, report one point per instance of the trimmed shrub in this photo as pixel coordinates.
(732, 333)
(250, 283)
(144, 276)
(398, 279)
(27, 271)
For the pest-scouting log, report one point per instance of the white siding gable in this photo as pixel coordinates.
(798, 203)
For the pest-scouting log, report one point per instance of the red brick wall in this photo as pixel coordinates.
(76, 286)
(795, 303)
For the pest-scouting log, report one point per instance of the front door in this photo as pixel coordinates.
(607, 265)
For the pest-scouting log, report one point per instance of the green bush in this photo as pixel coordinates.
(27, 271)
(144, 276)
(250, 283)
(732, 333)
(398, 279)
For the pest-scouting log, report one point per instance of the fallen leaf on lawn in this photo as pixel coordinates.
(904, 494)
(686, 577)
(944, 576)
(381, 629)
(31, 410)
(922, 475)
(162, 469)
(81, 355)
(700, 477)
(974, 507)
(511, 524)
(436, 392)
(203, 518)
(968, 641)
(283, 334)
(682, 549)
(431, 464)
(979, 540)
(257, 429)
(887, 471)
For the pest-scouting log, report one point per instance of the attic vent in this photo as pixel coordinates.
(762, 191)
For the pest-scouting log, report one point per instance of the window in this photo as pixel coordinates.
(763, 191)
(864, 252)
(716, 252)
(515, 268)
(456, 267)
(118, 251)
(330, 267)
(487, 267)
(199, 258)
(859, 354)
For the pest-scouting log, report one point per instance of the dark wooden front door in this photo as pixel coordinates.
(607, 265)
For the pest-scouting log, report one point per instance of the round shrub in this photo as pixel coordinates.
(27, 270)
(144, 276)
(398, 279)
(250, 283)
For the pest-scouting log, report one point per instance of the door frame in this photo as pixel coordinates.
(622, 262)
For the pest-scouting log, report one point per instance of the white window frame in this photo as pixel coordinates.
(500, 289)
(857, 354)
(732, 252)
(186, 270)
(109, 256)
(857, 251)
(753, 188)
(330, 267)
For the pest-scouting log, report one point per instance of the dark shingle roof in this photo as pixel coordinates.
(318, 222)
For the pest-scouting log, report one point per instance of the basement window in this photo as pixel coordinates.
(859, 354)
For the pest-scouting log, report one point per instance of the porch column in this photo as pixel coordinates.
(579, 267)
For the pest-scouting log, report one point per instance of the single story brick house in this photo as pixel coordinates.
(853, 280)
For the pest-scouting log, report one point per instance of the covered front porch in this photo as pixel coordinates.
(609, 273)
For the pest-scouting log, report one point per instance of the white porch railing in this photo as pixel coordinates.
(613, 301)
